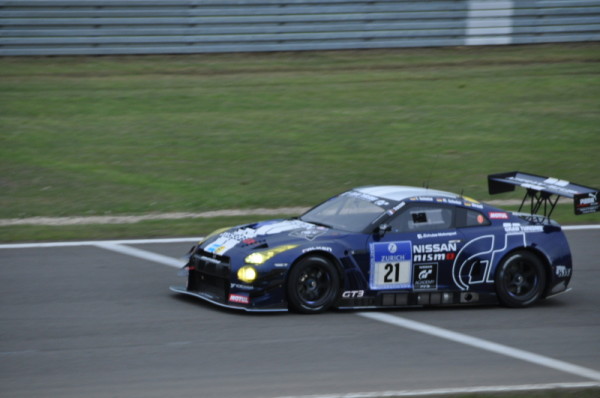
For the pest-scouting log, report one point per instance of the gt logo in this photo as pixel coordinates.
(425, 273)
(353, 294)
(474, 262)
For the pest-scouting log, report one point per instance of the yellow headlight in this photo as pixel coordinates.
(258, 258)
(246, 274)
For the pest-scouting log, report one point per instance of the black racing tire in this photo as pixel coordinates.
(313, 285)
(520, 280)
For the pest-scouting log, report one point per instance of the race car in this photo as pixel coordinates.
(393, 246)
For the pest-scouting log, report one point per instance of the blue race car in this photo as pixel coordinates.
(394, 246)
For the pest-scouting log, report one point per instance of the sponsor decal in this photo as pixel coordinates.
(516, 227)
(434, 252)
(381, 203)
(587, 203)
(280, 265)
(498, 215)
(425, 277)
(471, 200)
(480, 219)
(562, 271)
(241, 287)
(436, 235)
(227, 240)
(391, 264)
(474, 205)
(239, 299)
(394, 209)
(353, 294)
(590, 200)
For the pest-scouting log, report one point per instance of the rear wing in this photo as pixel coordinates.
(545, 192)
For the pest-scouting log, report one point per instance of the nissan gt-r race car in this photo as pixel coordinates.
(394, 246)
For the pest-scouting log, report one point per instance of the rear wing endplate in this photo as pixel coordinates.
(544, 192)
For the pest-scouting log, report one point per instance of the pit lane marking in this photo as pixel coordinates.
(483, 344)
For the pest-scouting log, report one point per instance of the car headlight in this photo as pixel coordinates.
(258, 258)
(247, 274)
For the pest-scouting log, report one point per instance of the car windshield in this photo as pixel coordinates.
(350, 211)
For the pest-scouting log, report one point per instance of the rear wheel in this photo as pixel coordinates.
(520, 280)
(313, 285)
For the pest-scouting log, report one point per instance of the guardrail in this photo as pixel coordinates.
(94, 27)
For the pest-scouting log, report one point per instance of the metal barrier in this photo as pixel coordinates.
(78, 27)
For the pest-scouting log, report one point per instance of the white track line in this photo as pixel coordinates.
(483, 345)
(579, 227)
(451, 391)
(143, 254)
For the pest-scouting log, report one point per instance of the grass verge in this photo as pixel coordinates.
(131, 135)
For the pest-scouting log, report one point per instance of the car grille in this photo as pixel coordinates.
(209, 274)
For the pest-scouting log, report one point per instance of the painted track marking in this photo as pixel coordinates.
(143, 254)
(483, 344)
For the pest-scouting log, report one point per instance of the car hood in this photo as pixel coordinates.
(266, 234)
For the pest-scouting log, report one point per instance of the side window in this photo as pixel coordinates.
(423, 217)
(470, 218)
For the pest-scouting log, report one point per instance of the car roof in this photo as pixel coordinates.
(400, 192)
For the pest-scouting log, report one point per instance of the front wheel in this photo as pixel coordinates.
(313, 285)
(520, 280)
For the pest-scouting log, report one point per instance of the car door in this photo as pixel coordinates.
(418, 250)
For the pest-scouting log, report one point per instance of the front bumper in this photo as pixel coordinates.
(210, 278)
(213, 300)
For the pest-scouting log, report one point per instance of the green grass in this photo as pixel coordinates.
(131, 135)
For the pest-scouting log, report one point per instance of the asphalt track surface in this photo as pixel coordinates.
(90, 320)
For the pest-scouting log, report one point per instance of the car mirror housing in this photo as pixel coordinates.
(382, 229)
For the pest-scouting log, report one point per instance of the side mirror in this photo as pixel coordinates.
(382, 229)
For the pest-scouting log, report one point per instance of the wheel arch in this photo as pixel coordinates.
(329, 256)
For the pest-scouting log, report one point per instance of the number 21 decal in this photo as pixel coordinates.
(391, 265)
